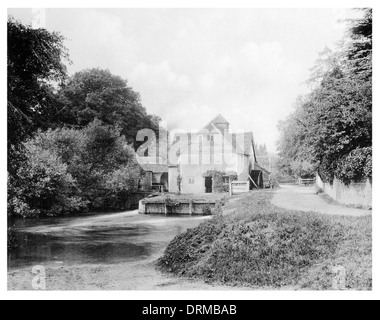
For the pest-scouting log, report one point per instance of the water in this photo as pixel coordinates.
(102, 239)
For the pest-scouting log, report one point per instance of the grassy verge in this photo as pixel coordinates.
(262, 246)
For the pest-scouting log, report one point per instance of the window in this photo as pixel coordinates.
(210, 137)
(191, 180)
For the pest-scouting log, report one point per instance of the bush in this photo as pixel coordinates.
(218, 180)
(68, 170)
(269, 250)
(171, 204)
(368, 167)
(356, 166)
(45, 186)
(206, 210)
(260, 245)
(12, 243)
(327, 170)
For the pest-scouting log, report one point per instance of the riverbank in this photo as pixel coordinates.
(254, 245)
(262, 246)
(122, 276)
(108, 252)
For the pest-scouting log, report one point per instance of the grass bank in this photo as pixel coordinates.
(262, 246)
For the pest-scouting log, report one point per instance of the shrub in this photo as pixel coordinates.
(326, 170)
(45, 185)
(218, 184)
(12, 243)
(171, 205)
(368, 167)
(217, 181)
(67, 170)
(206, 210)
(356, 166)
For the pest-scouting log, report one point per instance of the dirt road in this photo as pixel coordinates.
(302, 198)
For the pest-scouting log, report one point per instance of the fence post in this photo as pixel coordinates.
(142, 207)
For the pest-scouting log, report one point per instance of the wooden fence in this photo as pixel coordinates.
(306, 182)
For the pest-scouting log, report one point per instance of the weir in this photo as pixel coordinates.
(181, 206)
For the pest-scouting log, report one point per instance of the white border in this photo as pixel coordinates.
(183, 295)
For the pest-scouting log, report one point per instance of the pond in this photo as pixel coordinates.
(100, 239)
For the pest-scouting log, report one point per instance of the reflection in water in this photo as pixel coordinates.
(101, 239)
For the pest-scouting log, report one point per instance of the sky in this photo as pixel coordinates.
(189, 65)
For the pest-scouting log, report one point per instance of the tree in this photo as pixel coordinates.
(45, 186)
(359, 46)
(98, 94)
(293, 147)
(70, 170)
(327, 61)
(107, 168)
(331, 128)
(35, 62)
(262, 155)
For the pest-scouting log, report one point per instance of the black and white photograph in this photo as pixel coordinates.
(188, 150)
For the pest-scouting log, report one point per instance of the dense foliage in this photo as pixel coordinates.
(99, 94)
(71, 140)
(331, 128)
(68, 170)
(35, 61)
(221, 180)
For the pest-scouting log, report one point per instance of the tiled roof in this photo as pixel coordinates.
(217, 120)
(234, 139)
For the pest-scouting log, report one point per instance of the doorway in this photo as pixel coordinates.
(208, 184)
(257, 176)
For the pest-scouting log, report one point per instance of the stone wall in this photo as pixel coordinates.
(183, 208)
(355, 194)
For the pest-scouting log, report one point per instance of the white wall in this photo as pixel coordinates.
(173, 174)
(197, 172)
(191, 166)
(356, 194)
